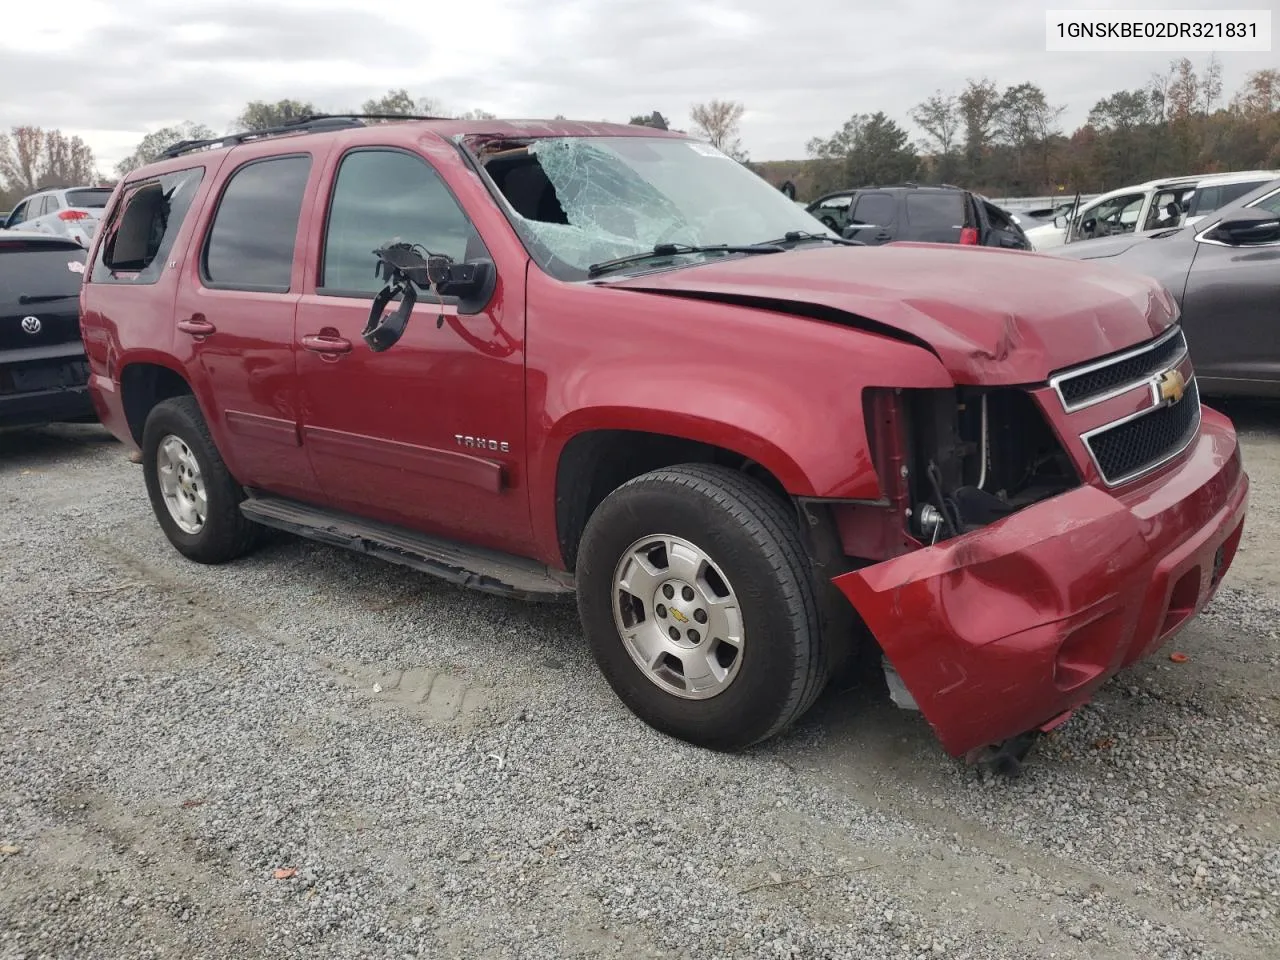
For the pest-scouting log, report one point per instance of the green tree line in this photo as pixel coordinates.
(1010, 141)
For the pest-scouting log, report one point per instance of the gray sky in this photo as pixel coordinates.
(110, 71)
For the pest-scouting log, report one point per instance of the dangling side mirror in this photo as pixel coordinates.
(463, 280)
(406, 268)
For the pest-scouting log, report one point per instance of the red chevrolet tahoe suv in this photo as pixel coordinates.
(549, 359)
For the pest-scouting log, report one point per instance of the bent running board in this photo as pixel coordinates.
(485, 570)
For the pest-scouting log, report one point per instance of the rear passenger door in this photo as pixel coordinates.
(234, 317)
(874, 218)
(134, 276)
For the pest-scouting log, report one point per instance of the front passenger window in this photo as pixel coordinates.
(875, 209)
(383, 196)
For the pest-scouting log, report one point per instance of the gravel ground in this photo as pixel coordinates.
(441, 773)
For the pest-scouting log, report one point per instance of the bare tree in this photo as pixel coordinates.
(718, 120)
(1260, 94)
(940, 119)
(1211, 85)
(32, 159)
(20, 158)
(1183, 92)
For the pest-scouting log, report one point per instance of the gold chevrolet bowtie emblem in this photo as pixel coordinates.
(679, 616)
(1171, 386)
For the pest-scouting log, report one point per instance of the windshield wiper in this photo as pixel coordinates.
(27, 298)
(664, 250)
(795, 236)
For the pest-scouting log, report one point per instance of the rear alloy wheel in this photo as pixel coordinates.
(181, 484)
(697, 602)
(194, 496)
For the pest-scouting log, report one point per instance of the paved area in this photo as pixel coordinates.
(308, 753)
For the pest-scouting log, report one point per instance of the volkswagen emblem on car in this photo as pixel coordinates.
(31, 325)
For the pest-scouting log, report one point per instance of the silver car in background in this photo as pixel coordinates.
(71, 212)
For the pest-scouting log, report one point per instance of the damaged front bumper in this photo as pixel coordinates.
(1009, 629)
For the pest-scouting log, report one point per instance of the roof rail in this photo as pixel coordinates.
(311, 123)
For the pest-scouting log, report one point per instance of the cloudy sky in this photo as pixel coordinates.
(112, 70)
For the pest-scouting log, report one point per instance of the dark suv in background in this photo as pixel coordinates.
(934, 214)
(43, 374)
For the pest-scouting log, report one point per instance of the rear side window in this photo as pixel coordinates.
(935, 210)
(877, 209)
(88, 198)
(999, 219)
(35, 273)
(142, 227)
(385, 195)
(1209, 199)
(1270, 203)
(250, 245)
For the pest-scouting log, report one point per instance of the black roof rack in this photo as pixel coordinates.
(311, 123)
(912, 185)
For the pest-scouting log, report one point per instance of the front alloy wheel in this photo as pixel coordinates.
(697, 600)
(678, 616)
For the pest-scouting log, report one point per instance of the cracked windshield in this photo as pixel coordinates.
(582, 201)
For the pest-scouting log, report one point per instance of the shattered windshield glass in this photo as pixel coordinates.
(583, 200)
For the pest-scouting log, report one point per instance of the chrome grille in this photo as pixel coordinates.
(1127, 449)
(1085, 386)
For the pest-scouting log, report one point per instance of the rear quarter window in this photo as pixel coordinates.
(89, 199)
(1209, 199)
(141, 228)
(935, 210)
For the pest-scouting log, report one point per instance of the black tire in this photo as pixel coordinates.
(749, 533)
(226, 533)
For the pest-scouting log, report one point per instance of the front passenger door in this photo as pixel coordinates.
(430, 433)
(874, 219)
